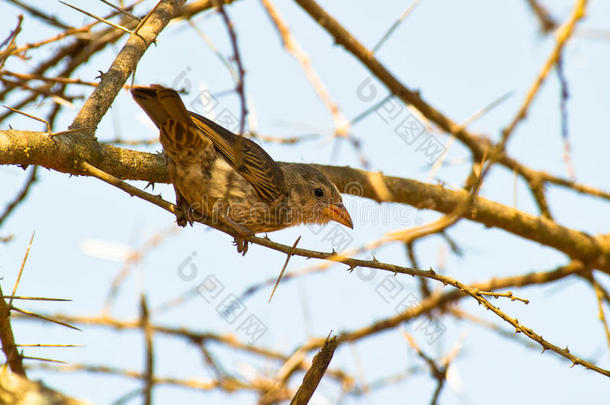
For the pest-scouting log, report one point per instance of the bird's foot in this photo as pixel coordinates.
(184, 212)
(242, 245)
(184, 215)
(242, 232)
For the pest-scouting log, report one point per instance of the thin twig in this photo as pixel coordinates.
(11, 42)
(149, 353)
(121, 10)
(547, 23)
(101, 19)
(506, 294)
(25, 259)
(48, 319)
(439, 372)
(124, 64)
(18, 297)
(30, 116)
(51, 20)
(341, 125)
(564, 33)
(279, 278)
(353, 263)
(395, 25)
(240, 87)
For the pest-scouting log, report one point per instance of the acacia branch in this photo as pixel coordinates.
(314, 375)
(373, 264)
(7, 339)
(85, 46)
(425, 307)
(63, 154)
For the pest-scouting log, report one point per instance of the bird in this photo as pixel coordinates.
(229, 179)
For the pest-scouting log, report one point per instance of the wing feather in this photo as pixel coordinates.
(164, 106)
(245, 156)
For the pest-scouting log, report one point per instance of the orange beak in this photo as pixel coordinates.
(338, 213)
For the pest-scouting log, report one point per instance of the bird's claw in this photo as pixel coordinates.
(242, 232)
(183, 217)
(242, 245)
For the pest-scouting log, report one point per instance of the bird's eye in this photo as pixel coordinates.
(318, 192)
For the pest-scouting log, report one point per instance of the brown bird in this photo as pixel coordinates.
(224, 177)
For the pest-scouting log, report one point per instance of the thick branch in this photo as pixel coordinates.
(65, 155)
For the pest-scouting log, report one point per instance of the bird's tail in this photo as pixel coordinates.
(160, 104)
(179, 137)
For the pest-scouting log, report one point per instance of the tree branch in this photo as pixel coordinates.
(124, 64)
(63, 154)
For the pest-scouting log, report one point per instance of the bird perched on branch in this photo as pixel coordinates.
(220, 176)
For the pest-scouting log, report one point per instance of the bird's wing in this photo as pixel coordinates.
(245, 156)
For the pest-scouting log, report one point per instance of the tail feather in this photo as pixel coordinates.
(160, 104)
(181, 140)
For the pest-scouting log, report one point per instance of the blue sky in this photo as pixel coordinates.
(461, 56)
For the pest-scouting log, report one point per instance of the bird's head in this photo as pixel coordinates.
(316, 198)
